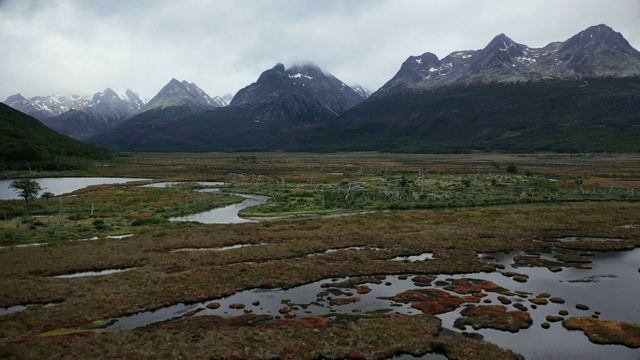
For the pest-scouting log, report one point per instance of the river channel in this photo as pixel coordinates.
(227, 214)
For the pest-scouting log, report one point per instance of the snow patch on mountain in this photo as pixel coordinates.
(597, 51)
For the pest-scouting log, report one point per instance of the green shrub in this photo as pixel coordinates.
(147, 221)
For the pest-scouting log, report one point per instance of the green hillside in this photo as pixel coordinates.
(26, 143)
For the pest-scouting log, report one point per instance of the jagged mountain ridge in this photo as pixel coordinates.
(106, 110)
(598, 51)
(82, 117)
(176, 100)
(43, 107)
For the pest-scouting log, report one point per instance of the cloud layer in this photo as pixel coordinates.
(78, 46)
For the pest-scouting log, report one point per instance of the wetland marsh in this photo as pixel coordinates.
(443, 254)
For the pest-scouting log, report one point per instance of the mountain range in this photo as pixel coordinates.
(595, 52)
(581, 94)
(279, 101)
(80, 116)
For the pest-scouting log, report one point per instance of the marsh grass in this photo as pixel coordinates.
(454, 231)
(108, 210)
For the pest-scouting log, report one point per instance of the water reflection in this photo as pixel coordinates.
(227, 214)
(615, 299)
(91, 273)
(164, 184)
(414, 258)
(224, 248)
(59, 186)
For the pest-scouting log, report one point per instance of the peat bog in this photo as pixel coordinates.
(443, 256)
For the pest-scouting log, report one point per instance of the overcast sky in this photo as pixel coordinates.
(85, 46)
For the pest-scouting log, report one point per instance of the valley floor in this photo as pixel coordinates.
(449, 208)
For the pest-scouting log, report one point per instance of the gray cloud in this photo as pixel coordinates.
(81, 46)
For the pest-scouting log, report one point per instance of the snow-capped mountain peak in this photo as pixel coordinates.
(361, 90)
(301, 93)
(181, 93)
(595, 52)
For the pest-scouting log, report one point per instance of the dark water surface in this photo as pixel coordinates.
(611, 287)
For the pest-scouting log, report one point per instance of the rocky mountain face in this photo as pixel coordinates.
(362, 91)
(598, 51)
(303, 94)
(183, 94)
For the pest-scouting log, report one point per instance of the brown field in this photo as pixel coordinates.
(592, 195)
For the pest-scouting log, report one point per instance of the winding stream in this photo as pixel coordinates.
(227, 214)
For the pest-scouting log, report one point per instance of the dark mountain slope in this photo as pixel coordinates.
(229, 128)
(280, 100)
(26, 143)
(599, 114)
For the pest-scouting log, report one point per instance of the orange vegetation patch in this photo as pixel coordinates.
(431, 301)
(493, 317)
(473, 286)
(606, 332)
(192, 312)
(213, 305)
(423, 280)
(344, 301)
(471, 299)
